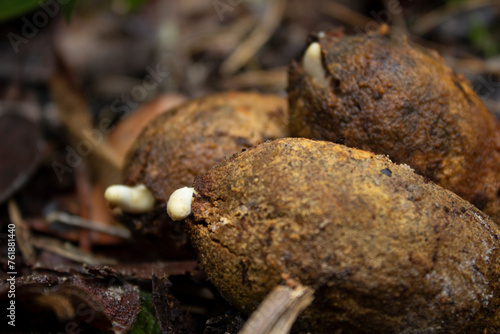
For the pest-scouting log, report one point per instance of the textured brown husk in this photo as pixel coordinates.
(186, 141)
(390, 97)
(385, 249)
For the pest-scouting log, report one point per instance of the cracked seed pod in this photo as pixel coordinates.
(385, 250)
(380, 93)
(187, 140)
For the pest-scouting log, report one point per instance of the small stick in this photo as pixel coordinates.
(438, 16)
(71, 252)
(398, 19)
(259, 36)
(64, 218)
(23, 233)
(275, 78)
(345, 14)
(279, 310)
(478, 66)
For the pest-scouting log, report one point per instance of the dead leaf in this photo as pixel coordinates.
(72, 301)
(128, 129)
(88, 144)
(20, 147)
(168, 312)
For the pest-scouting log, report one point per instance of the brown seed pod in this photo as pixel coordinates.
(385, 250)
(187, 140)
(380, 93)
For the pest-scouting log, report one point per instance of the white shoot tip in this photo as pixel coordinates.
(137, 199)
(179, 203)
(313, 65)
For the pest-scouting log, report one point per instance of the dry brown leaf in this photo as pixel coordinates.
(124, 134)
(87, 143)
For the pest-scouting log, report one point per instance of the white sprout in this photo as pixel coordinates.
(313, 65)
(137, 199)
(179, 203)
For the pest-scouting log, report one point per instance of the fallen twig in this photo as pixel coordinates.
(344, 14)
(23, 233)
(259, 36)
(64, 218)
(277, 313)
(71, 252)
